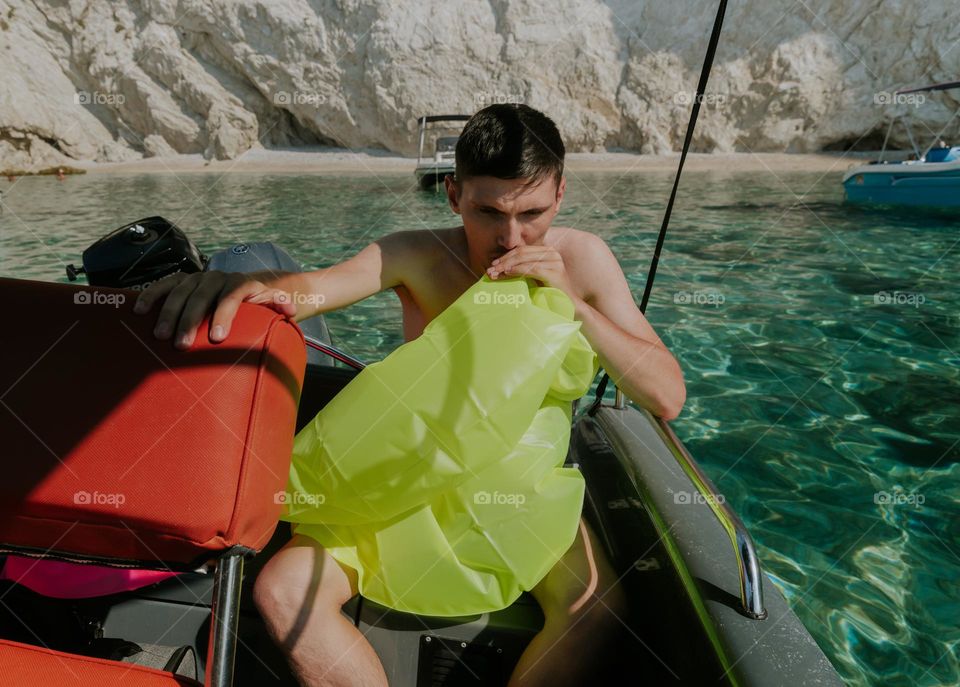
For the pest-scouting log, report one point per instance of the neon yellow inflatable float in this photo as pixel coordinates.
(437, 473)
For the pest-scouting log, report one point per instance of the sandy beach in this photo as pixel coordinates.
(336, 160)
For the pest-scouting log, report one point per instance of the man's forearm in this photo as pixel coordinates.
(645, 371)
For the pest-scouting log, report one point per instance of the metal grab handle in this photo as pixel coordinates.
(748, 564)
(334, 352)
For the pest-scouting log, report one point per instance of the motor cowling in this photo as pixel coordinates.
(138, 254)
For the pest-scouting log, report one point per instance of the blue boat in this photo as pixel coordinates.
(931, 179)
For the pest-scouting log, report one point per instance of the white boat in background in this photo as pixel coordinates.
(931, 179)
(431, 171)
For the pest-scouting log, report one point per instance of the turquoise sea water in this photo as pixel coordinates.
(819, 343)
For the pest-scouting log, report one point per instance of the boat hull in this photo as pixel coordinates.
(429, 177)
(919, 184)
(673, 556)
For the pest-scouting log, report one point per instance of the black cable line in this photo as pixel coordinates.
(691, 125)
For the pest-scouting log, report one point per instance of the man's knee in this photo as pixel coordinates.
(590, 610)
(272, 598)
(583, 589)
(299, 577)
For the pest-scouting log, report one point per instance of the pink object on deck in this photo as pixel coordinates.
(74, 580)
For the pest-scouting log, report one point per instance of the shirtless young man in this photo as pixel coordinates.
(508, 188)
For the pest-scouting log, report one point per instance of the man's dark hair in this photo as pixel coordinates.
(510, 141)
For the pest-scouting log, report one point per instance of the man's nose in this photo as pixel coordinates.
(513, 236)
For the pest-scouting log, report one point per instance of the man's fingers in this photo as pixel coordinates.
(283, 303)
(173, 306)
(231, 296)
(532, 260)
(522, 251)
(157, 289)
(249, 292)
(196, 307)
(276, 299)
(540, 262)
(190, 297)
(535, 254)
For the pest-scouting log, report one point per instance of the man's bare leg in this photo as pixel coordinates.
(299, 593)
(582, 605)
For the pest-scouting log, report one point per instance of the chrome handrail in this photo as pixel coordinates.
(334, 352)
(748, 563)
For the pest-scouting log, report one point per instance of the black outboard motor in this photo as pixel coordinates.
(138, 254)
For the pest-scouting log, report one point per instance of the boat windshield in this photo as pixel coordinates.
(915, 97)
(447, 144)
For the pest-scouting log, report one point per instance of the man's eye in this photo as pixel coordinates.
(533, 213)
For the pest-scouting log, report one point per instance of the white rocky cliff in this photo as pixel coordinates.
(122, 80)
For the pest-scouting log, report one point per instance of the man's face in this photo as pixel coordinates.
(501, 214)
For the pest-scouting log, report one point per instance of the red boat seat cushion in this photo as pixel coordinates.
(120, 449)
(24, 664)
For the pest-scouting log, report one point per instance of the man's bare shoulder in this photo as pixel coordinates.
(570, 240)
(585, 255)
(424, 241)
(415, 252)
